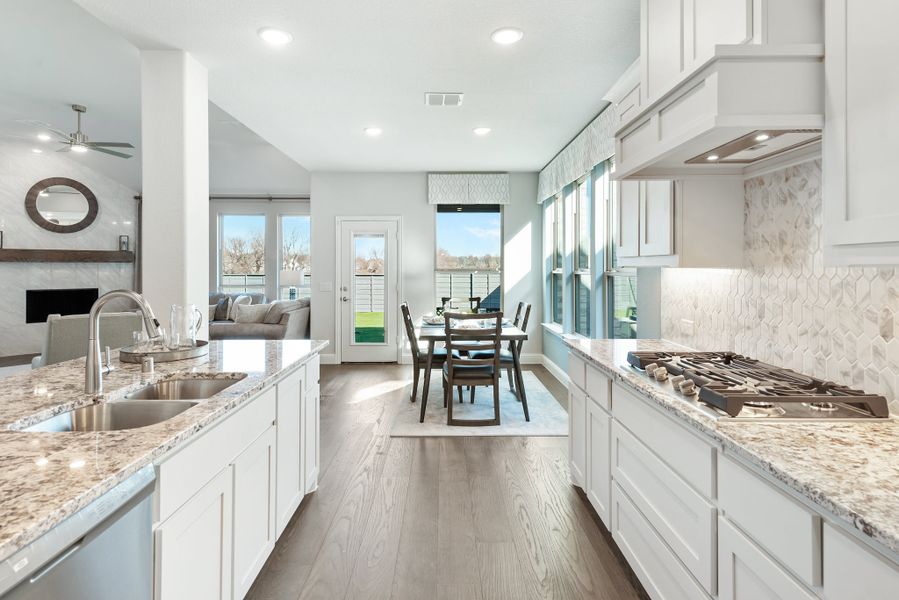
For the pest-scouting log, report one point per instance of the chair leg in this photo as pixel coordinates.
(414, 383)
(511, 380)
(472, 393)
(444, 393)
(424, 404)
(460, 394)
(496, 401)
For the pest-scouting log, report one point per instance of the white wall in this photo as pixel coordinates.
(255, 169)
(405, 194)
(19, 170)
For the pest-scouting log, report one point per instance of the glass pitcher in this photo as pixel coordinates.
(185, 323)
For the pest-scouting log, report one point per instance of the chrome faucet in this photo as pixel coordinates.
(93, 372)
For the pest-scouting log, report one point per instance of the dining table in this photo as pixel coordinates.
(435, 333)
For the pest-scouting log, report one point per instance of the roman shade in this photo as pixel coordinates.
(468, 188)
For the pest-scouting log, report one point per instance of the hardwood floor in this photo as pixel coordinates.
(436, 518)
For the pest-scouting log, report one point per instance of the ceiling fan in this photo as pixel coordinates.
(79, 142)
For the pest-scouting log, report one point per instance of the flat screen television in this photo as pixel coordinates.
(74, 301)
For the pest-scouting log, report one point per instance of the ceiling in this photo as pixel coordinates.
(359, 63)
(54, 54)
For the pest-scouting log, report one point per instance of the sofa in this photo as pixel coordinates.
(67, 336)
(284, 319)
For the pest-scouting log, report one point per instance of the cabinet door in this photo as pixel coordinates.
(627, 239)
(311, 441)
(745, 572)
(852, 571)
(657, 218)
(859, 196)
(254, 510)
(577, 436)
(193, 546)
(599, 480)
(290, 480)
(662, 45)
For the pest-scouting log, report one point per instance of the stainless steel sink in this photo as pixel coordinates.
(113, 416)
(181, 389)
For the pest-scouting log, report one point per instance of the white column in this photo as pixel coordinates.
(175, 155)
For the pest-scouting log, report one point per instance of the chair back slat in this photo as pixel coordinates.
(466, 339)
(474, 303)
(410, 332)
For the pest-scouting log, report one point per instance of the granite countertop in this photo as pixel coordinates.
(848, 469)
(47, 477)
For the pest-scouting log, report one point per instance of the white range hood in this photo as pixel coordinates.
(746, 104)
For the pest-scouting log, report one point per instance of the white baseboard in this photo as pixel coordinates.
(532, 359)
(328, 359)
(556, 371)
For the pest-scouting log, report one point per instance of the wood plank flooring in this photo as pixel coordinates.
(436, 518)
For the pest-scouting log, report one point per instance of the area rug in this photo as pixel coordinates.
(548, 418)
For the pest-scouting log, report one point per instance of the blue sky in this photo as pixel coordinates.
(462, 234)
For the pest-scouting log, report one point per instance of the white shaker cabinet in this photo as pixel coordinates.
(598, 448)
(861, 134)
(311, 441)
(745, 572)
(291, 481)
(254, 510)
(852, 571)
(193, 546)
(577, 435)
(627, 227)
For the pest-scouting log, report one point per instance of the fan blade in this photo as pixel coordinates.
(65, 136)
(110, 144)
(105, 151)
(65, 149)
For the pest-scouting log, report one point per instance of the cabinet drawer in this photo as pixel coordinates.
(656, 567)
(599, 387)
(182, 474)
(690, 457)
(680, 516)
(313, 367)
(790, 532)
(747, 573)
(577, 371)
(852, 571)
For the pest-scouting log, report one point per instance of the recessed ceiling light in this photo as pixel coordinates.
(373, 131)
(36, 150)
(507, 35)
(712, 157)
(43, 137)
(762, 137)
(275, 37)
(481, 130)
(79, 148)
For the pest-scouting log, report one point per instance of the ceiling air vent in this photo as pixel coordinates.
(443, 98)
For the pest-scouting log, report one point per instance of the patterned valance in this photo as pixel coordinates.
(468, 188)
(592, 146)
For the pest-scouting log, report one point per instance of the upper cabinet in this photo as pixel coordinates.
(861, 138)
(689, 223)
(720, 85)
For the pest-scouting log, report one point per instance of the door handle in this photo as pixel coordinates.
(345, 299)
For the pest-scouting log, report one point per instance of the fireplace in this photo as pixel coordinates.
(41, 303)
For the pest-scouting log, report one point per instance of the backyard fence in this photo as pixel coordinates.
(467, 284)
(368, 293)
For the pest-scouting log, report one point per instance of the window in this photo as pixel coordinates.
(620, 283)
(469, 255)
(583, 288)
(368, 288)
(557, 276)
(295, 236)
(242, 253)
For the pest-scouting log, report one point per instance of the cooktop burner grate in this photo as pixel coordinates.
(745, 387)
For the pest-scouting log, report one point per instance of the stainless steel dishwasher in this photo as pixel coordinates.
(103, 552)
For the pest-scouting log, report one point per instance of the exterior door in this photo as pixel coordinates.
(369, 272)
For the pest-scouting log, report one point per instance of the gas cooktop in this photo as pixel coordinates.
(742, 387)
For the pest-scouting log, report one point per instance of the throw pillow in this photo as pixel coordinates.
(251, 313)
(278, 309)
(212, 308)
(222, 308)
(242, 299)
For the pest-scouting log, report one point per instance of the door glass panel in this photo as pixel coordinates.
(369, 325)
(622, 306)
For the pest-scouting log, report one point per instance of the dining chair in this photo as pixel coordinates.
(507, 358)
(461, 369)
(419, 362)
(474, 303)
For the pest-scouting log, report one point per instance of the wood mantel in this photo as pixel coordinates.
(76, 256)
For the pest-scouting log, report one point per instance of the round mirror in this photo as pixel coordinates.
(61, 205)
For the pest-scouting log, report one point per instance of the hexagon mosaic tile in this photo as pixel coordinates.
(785, 307)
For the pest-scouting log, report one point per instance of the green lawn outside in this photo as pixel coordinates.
(369, 327)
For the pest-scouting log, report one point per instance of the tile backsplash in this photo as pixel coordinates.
(785, 307)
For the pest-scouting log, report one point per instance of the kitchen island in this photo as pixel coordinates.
(703, 506)
(236, 433)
